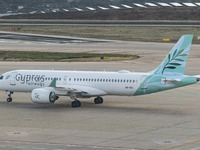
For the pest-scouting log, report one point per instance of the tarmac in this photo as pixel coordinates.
(167, 120)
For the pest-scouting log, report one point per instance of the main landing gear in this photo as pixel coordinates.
(9, 99)
(98, 100)
(76, 103)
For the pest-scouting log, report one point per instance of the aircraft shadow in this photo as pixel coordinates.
(96, 107)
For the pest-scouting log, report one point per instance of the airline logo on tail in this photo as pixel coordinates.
(170, 72)
(176, 60)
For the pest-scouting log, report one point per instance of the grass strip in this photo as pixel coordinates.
(127, 33)
(61, 57)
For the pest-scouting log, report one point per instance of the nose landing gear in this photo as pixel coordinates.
(9, 99)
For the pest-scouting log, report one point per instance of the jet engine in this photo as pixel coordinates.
(42, 95)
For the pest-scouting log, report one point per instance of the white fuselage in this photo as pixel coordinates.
(112, 83)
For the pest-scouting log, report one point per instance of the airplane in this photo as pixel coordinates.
(46, 86)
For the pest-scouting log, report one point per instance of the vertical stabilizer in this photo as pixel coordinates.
(175, 61)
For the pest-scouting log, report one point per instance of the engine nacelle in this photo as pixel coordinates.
(42, 95)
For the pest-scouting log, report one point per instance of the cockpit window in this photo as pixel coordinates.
(1, 77)
(7, 77)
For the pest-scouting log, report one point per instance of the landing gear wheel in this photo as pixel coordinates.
(76, 103)
(9, 99)
(79, 103)
(98, 100)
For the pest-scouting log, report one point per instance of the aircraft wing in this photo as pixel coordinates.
(79, 89)
(84, 90)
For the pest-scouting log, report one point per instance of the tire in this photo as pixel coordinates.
(73, 104)
(9, 100)
(100, 100)
(76, 104)
(96, 101)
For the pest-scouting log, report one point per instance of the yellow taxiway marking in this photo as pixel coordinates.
(178, 146)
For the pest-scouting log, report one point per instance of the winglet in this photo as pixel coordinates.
(176, 60)
(53, 83)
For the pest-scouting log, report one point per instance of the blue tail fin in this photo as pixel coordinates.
(176, 60)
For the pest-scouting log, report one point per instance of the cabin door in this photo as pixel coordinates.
(12, 79)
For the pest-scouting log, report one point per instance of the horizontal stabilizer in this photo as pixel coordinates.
(170, 81)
